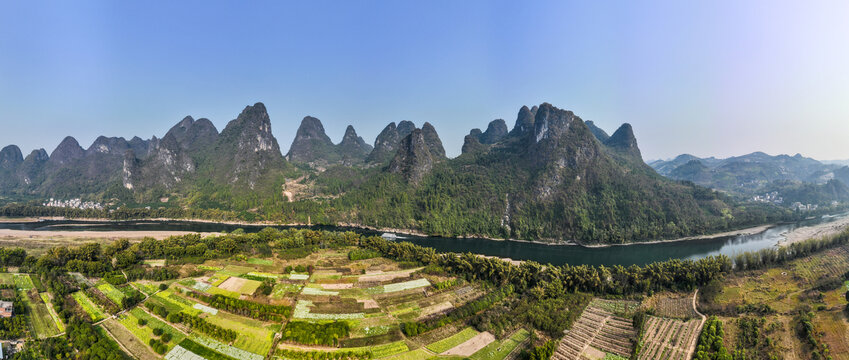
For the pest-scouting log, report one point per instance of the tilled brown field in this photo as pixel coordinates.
(600, 329)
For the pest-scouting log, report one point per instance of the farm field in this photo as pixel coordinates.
(23, 282)
(88, 306)
(446, 344)
(598, 331)
(781, 287)
(371, 297)
(667, 338)
(111, 292)
(46, 299)
(126, 338)
(43, 323)
(498, 350)
(130, 321)
(7, 279)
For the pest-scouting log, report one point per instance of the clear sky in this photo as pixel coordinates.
(714, 78)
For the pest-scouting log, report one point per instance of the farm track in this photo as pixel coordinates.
(597, 328)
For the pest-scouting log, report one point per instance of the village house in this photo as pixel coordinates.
(7, 309)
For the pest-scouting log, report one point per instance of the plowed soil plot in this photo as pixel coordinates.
(233, 284)
(666, 338)
(472, 345)
(600, 329)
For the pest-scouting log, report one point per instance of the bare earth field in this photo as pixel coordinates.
(472, 345)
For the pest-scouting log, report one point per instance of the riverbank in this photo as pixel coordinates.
(409, 232)
(747, 231)
(815, 231)
(38, 241)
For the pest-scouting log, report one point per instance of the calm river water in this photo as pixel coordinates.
(559, 254)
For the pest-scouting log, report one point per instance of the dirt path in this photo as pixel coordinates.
(692, 346)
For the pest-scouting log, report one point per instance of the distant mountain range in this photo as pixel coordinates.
(795, 178)
(552, 176)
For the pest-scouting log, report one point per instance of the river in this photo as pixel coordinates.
(626, 255)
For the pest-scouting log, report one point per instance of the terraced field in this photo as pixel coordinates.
(667, 338)
(598, 330)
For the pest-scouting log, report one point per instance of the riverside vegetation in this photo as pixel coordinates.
(346, 296)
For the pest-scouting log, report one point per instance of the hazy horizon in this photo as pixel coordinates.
(717, 79)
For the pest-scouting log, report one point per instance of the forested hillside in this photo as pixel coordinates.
(552, 177)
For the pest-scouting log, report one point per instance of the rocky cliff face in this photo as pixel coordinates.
(624, 142)
(524, 122)
(431, 138)
(10, 157)
(167, 165)
(68, 150)
(417, 153)
(387, 141)
(599, 134)
(495, 131)
(311, 144)
(116, 146)
(353, 149)
(31, 169)
(246, 150)
(193, 134)
(476, 140)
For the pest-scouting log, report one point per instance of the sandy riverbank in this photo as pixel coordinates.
(746, 231)
(815, 231)
(37, 241)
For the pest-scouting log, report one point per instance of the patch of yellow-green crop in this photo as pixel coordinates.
(111, 292)
(253, 335)
(217, 279)
(88, 306)
(220, 291)
(52, 311)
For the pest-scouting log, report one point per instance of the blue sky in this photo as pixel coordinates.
(709, 78)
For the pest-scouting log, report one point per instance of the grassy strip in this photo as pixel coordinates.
(23, 282)
(90, 308)
(203, 351)
(42, 323)
(498, 350)
(253, 336)
(212, 268)
(418, 354)
(52, 311)
(452, 341)
(7, 279)
(144, 333)
(255, 261)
